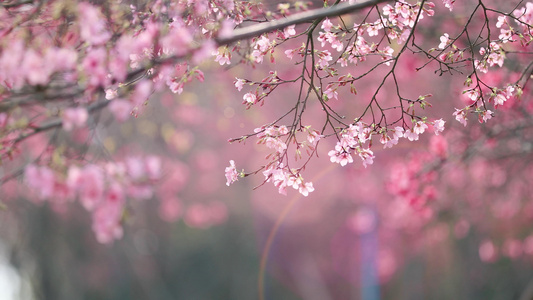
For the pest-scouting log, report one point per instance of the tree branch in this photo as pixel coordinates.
(304, 17)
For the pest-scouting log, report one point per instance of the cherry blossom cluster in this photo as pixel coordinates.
(283, 178)
(397, 21)
(409, 183)
(264, 88)
(70, 66)
(271, 137)
(352, 139)
(58, 59)
(101, 189)
(497, 96)
(490, 58)
(63, 62)
(355, 45)
(509, 40)
(281, 175)
(414, 181)
(231, 173)
(490, 191)
(355, 136)
(492, 78)
(524, 16)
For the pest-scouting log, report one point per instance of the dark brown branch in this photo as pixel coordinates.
(304, 17)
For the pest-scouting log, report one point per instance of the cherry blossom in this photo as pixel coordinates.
(74, 118)
(419, 127)
(438, 126)
(121, 109)
(340, 156)
(306, 188)
(231, 173)
(460, 115)
(411, 134)
(239, 83)
(449, 4)
(249, 98)
(444, 41)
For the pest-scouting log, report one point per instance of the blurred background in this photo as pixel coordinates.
(352, 238)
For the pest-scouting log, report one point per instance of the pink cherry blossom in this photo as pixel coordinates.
(340, 156)
(439, 146)
(331, 93)
(239, 83)
(460, 115)
(92, 25)
(111, 94)
(473, 94)
(35, 68)
(496, 58)
(500, 98)
(505, 35)
(95, 66)
(487, 251)
(90, 184)
(107, 217)
(481, 66)
(289, 53)
(276, 144)
(74, 117)
(398, 132)
(444, 41)
(485, 116)
(367, 156)
(387, 141)
(420, 127)
(324, 59)
(58, 62)
(449, 4)
(411, 135)
(373, 29)
(501, 21)
(313, 136)
(223, 56)
(121, 109)
(40, 179)
(306, 188)
(231, 173)
(438, 126)
(177, 42)
(289, 31)
(327, 25)
(249, 98)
